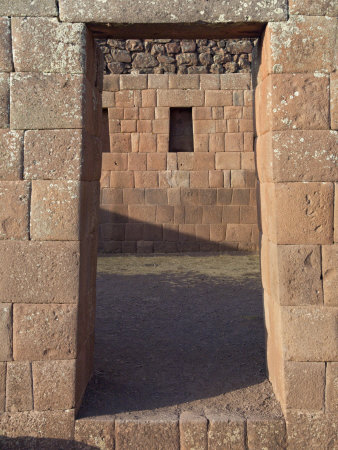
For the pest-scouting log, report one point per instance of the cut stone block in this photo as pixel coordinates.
(14, 209)
(19, 395)
(331, 395)
(11, 153)
(225, 432)
(2, 386)
(5, 331)
(5, 45)
(269, 434)
(193, 431)
(4, 100)
(28, 8)
(330, 274)
(97, 432)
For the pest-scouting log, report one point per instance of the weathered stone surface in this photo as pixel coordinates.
(331, 395)
(5, 45)
(11, 151)
(311, 430)
(144, 60)
(304, 385)
(335, 224)
(2, 386)
(54, 267)
(51, 424)
(46, 45)
(19, 395)
(55, 210)
(298, 156)
(310, 333)
(14, 209)
(5, 331)
(53, 385)
(159, 431)
(193, 431)
(235, 81)
(31, 108)
(299, 275)
(28, 8)
(293, 101)
(44, 332)
(310, 8)
(225, 432)
(334, 100)
(98, 432)
(180, 98)
(303, 44)
(269, 434)
(4, 100)
(185, 12)
(330, 274)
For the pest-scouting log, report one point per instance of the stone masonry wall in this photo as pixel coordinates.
(156, 200)
(177, 56)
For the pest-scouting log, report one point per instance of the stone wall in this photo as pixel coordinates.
(177, 56)
(153, 199)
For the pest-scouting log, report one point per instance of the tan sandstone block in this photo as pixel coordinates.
(133, 81)
(304, 213)
(304, 385)
(111, 83)
(45, 45)
(193, 431)
(41, 101)
(2, 386)
(311, 430)
(97, 432)
(6, 331)
(160, 431)
(310, 8)
(53, 385)
(331, 395)
(218, 98)
(55, 210)
(5, 45)
(19, 395)
(44, 332)
(41, 424)
(53, 265)
(14, 209)
(269, 434)
(235, 81)
(293, 101)
(27, 8)
(225, 432)
(330, 274)
(310, 333)
(180, 98)
(11, 150)
(4, 100)
(334, 100)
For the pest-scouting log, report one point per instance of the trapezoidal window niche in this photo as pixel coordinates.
(181, 131)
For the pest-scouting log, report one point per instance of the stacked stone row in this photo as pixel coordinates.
(158, 56)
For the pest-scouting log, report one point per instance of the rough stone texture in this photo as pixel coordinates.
(334, 100)
(32, 109)
(14, 209)
(51, 424)
(180, 98)
(44, 332)
(310, 8)
(331, 395)
(53, 265)
(225, 432)
(311, 430)
(267, 434)
(185, 12)
(55, 210)
(28, 8)
(297, 156)
(4, 100)
(305, 385)
(335, 225)
(193, 431)
(330, 274)
(293, 101)
(2, 386)
(53, 385)
(19, 395)
(159, 56)
(5, 45)
(5, 331)
(299, 275)
(310, 333)
(11, 152)
(160, 431)
(46, 45)
(98, 432)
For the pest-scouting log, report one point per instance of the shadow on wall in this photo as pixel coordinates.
(174, 337)
(31, 443)
(122, 234)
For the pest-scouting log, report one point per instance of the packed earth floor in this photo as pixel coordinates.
(177, 333)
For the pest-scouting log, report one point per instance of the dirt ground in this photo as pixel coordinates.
(180, 332)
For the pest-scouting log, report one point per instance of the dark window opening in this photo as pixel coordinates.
(105, 131)
(181, 134)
